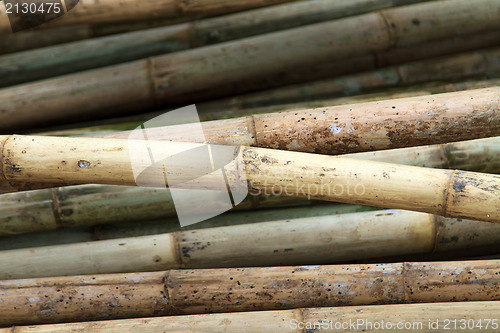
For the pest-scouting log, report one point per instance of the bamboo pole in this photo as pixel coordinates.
(370, 318)
(316, 240)
(447, 193)
(95, 297)
(100, 204)
(106, 11)
(358, 127)
(143, 227)
(73, 57)
(210, 71)
(480, 63)
(89, 205)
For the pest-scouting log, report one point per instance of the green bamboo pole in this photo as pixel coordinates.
(481, 63)
(89, 205)
(107, 11)
(73, 57)
(447, 193)
(142, 227)
(209, 72)
(470, 316)
(313, 240)
(113, 296)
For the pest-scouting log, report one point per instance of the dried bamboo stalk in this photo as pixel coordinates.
(106, 11)
(95, 297)
(73, 57)
(370, 318)
(447, 193)
(358, 127)
(313, 240)
(100, 204)
(210, 71)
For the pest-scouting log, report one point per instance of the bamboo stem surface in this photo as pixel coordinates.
(315, 240)
(114, 296)
(447, 193)
(370, 318)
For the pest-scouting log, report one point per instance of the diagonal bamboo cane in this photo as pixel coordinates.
(113, 296)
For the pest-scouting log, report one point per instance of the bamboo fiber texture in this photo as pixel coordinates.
(228, 68)
(371, 318)
(447, 193)
(114, 296)
(315, 240)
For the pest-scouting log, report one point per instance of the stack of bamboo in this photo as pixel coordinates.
(406, 91)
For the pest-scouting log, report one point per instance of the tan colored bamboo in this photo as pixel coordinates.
(471, 316)
(73, 57)
(100, 204)
(210, 71)
(448, 193)
(106, 11)
(95, 297)
(316, 240)
(358, 127)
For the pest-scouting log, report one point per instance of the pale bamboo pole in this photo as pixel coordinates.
(106, 11)
(210, 71)
(370, 318)
(317, 240)
(100, 204)
(113, 296)
(73, 57)
(447, 193)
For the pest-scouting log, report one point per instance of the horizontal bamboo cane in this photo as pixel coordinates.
(470, 316)
(89, 205)
(105, 11)
(73, 57)
(317, 240)
(448, 193)
(458, 66)
(224, 69)
(358, 127)
(142, 227)
(100, 204)
(95, 297)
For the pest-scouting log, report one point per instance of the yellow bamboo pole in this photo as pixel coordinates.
(114, 296)
(447, 193)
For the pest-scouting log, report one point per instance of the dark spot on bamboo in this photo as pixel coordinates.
(415, 22)
(459, 185)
